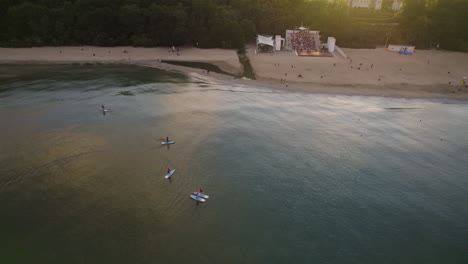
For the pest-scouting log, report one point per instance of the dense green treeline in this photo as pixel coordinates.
(226, 23)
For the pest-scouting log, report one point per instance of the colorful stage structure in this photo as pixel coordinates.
(305, 42)
(301, 41)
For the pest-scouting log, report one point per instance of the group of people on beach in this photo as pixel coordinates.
(174, 49)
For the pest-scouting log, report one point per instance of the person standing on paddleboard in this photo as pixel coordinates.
(168, 170)
(167, 139)
(103, 108)
(201, 190)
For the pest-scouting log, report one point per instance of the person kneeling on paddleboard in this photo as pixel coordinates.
(201, 190)
(168, 170)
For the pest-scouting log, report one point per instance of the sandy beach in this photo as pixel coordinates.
(425, 74)
(227, 60)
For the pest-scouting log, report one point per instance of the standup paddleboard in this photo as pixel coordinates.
(202, 195)
(104, 110)
(168, 143)
(169, 174)
(196, 198)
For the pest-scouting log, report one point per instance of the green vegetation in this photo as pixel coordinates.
(227, 23)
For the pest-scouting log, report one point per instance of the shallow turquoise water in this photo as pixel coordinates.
(293, 177)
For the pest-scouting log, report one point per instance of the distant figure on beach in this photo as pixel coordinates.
(372, 66)
(173, 48)
(299, 76)
(287, 84)
(94, 54)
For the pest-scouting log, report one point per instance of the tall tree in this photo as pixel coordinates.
(414, 23)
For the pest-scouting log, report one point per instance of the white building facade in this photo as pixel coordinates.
(397, 4)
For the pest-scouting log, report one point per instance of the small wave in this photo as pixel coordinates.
(401, 108)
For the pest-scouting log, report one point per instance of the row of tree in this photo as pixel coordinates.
(224, 23)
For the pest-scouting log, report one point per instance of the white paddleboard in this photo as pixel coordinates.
(169, 174)
(104, 110)
(202, 195)
(168, 143)
(196, 198)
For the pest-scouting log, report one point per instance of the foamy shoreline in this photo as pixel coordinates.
(318, 75)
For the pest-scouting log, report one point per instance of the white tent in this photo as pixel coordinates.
(263, 41)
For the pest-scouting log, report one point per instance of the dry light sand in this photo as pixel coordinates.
(425, 74)
(378, 72)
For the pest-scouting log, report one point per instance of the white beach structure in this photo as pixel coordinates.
(331, 42)
(398, 48)
(265, 43)
(276, 43)
(279, 42)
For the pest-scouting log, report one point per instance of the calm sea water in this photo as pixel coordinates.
(293, 177)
